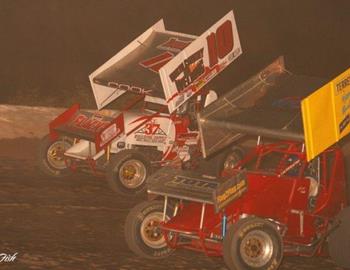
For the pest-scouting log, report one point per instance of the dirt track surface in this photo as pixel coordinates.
(77, 222)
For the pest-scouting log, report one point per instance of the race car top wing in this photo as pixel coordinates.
(200, 62)
(192, 186)
(135, 68)
(268, 104)
(166, 67)
(326, 115)
(93, 127)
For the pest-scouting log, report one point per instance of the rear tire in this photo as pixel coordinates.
(253, 244)
(127, 172)
(339, 240)
(142, 235)
(51, 160)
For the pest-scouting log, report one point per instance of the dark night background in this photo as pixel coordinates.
(49, 47)
(47, 50)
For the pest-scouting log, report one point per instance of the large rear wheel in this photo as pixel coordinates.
(142, 233)
(51, 159)
(253, 244)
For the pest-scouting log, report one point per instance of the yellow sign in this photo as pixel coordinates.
(326, 115)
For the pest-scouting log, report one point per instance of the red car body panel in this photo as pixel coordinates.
(283, 199)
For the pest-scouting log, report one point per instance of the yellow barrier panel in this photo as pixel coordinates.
(326, 115)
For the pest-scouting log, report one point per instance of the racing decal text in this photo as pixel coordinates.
(190, 183)
(129, 88)
(151, 132)
(108, 134)
(342, 84)
(188, 71)
(93, 124)
(220, 43)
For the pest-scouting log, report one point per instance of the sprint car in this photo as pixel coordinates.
(287, 197)
(147, 97)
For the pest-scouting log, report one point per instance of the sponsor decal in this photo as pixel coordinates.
(151, 132)
(129, 88)
(344, 123)
(108, 134)
(334, 99)
(340, 86)
(192, 74)
(219, 44)
(191, 184)
(94, 123)
(342, 90)
(345, 101)
(230, 190)
(188, 71)
(250, 227)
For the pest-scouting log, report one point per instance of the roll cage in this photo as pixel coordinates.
(287, 159)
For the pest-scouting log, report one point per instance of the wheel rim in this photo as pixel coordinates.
(231, 160)
(150, 232)
(256, 248)
(132, 173)
(55, 154)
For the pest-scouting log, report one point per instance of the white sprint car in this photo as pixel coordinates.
(147, 97)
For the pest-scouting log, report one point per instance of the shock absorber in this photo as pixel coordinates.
(223, 225)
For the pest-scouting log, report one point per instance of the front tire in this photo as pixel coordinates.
(339, 240)
(51, 160)
(253, 244)
(142, 233)
(127, 172)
